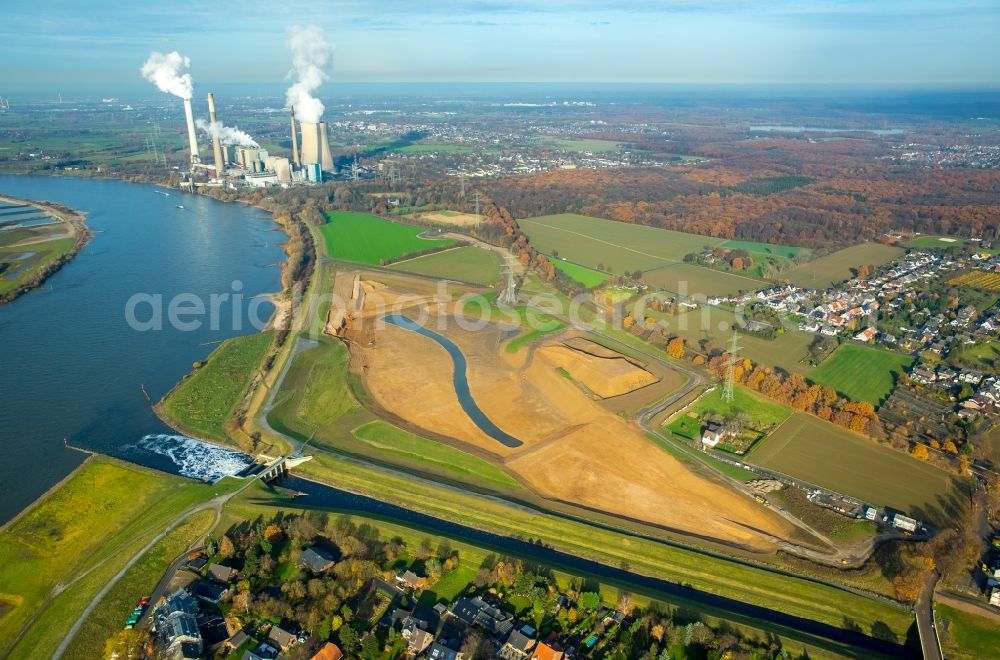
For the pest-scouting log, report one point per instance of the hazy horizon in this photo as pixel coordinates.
(712, 42)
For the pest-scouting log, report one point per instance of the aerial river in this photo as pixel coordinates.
(72, 366)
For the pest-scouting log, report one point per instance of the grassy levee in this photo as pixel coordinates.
(387, 439)
(821, 453)
(262, 501)
(466, 264)
(966, 636)
(202, 403)
(87, 527)
(368, 239)
(317, 399)
(710, 573)
(862, 373)
(108, 617)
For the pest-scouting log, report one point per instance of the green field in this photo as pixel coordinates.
(441, 148)
(371, 240)
(762, 413)
(690, 280)
(827, 270)
(588, 277)
(468, 264)
(390, 440)
(138, 581)
(965, 636)
(84, 531)
(203, 402)
(25, 261)
(786, 251)
(808, 448)
(935, 242)
(617, 246)
(861, 373)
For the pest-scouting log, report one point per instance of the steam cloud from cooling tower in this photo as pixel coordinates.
(165, 71)
(311, 57)
(227, 134)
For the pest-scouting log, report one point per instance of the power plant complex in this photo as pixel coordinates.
(236, 165)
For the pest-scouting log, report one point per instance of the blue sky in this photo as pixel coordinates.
(920, 42)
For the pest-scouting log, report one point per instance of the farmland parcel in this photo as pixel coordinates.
(832, 268)
(367, 239)
(808, 448)
(468, 264)
(861, 373)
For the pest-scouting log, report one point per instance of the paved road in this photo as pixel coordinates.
(929, 642)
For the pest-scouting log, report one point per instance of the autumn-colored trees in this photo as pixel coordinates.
(794, 391)
(675, 347)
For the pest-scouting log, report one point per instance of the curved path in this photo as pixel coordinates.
(214, 504)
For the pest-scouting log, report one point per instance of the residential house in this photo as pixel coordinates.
(281, 638)
(518, 644)
(545, 652)
(412, 580)
(210, 591)
(235, 641)
(995, 597)
(222, 573)
(713, 435)
(328, 651)
(867, 335)
(440, 651)
(316, 560)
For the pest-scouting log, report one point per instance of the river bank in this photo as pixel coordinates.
(75, 223)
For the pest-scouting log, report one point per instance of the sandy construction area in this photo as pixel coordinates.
(604, 376)
(575, 450)
(451, 218)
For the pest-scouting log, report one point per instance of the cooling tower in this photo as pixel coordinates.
(220, 168)
(325, 159)
(192, 137)
(310, 142)
(295, 141)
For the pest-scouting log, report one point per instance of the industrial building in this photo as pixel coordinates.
(237, 165)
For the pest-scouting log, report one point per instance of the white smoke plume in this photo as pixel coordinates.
(311, 57)
(227, 134)
(164, 71)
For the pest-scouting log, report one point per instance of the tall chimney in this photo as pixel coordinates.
(192, 137)
(325, 157)
(310, 142)
(220, 168)
(295, 141)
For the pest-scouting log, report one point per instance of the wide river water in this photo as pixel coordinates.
(71, 366)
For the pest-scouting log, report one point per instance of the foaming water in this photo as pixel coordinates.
(76, 369)
(194, 458)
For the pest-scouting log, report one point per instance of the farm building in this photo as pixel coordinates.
(904, 522)
(713, 435)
